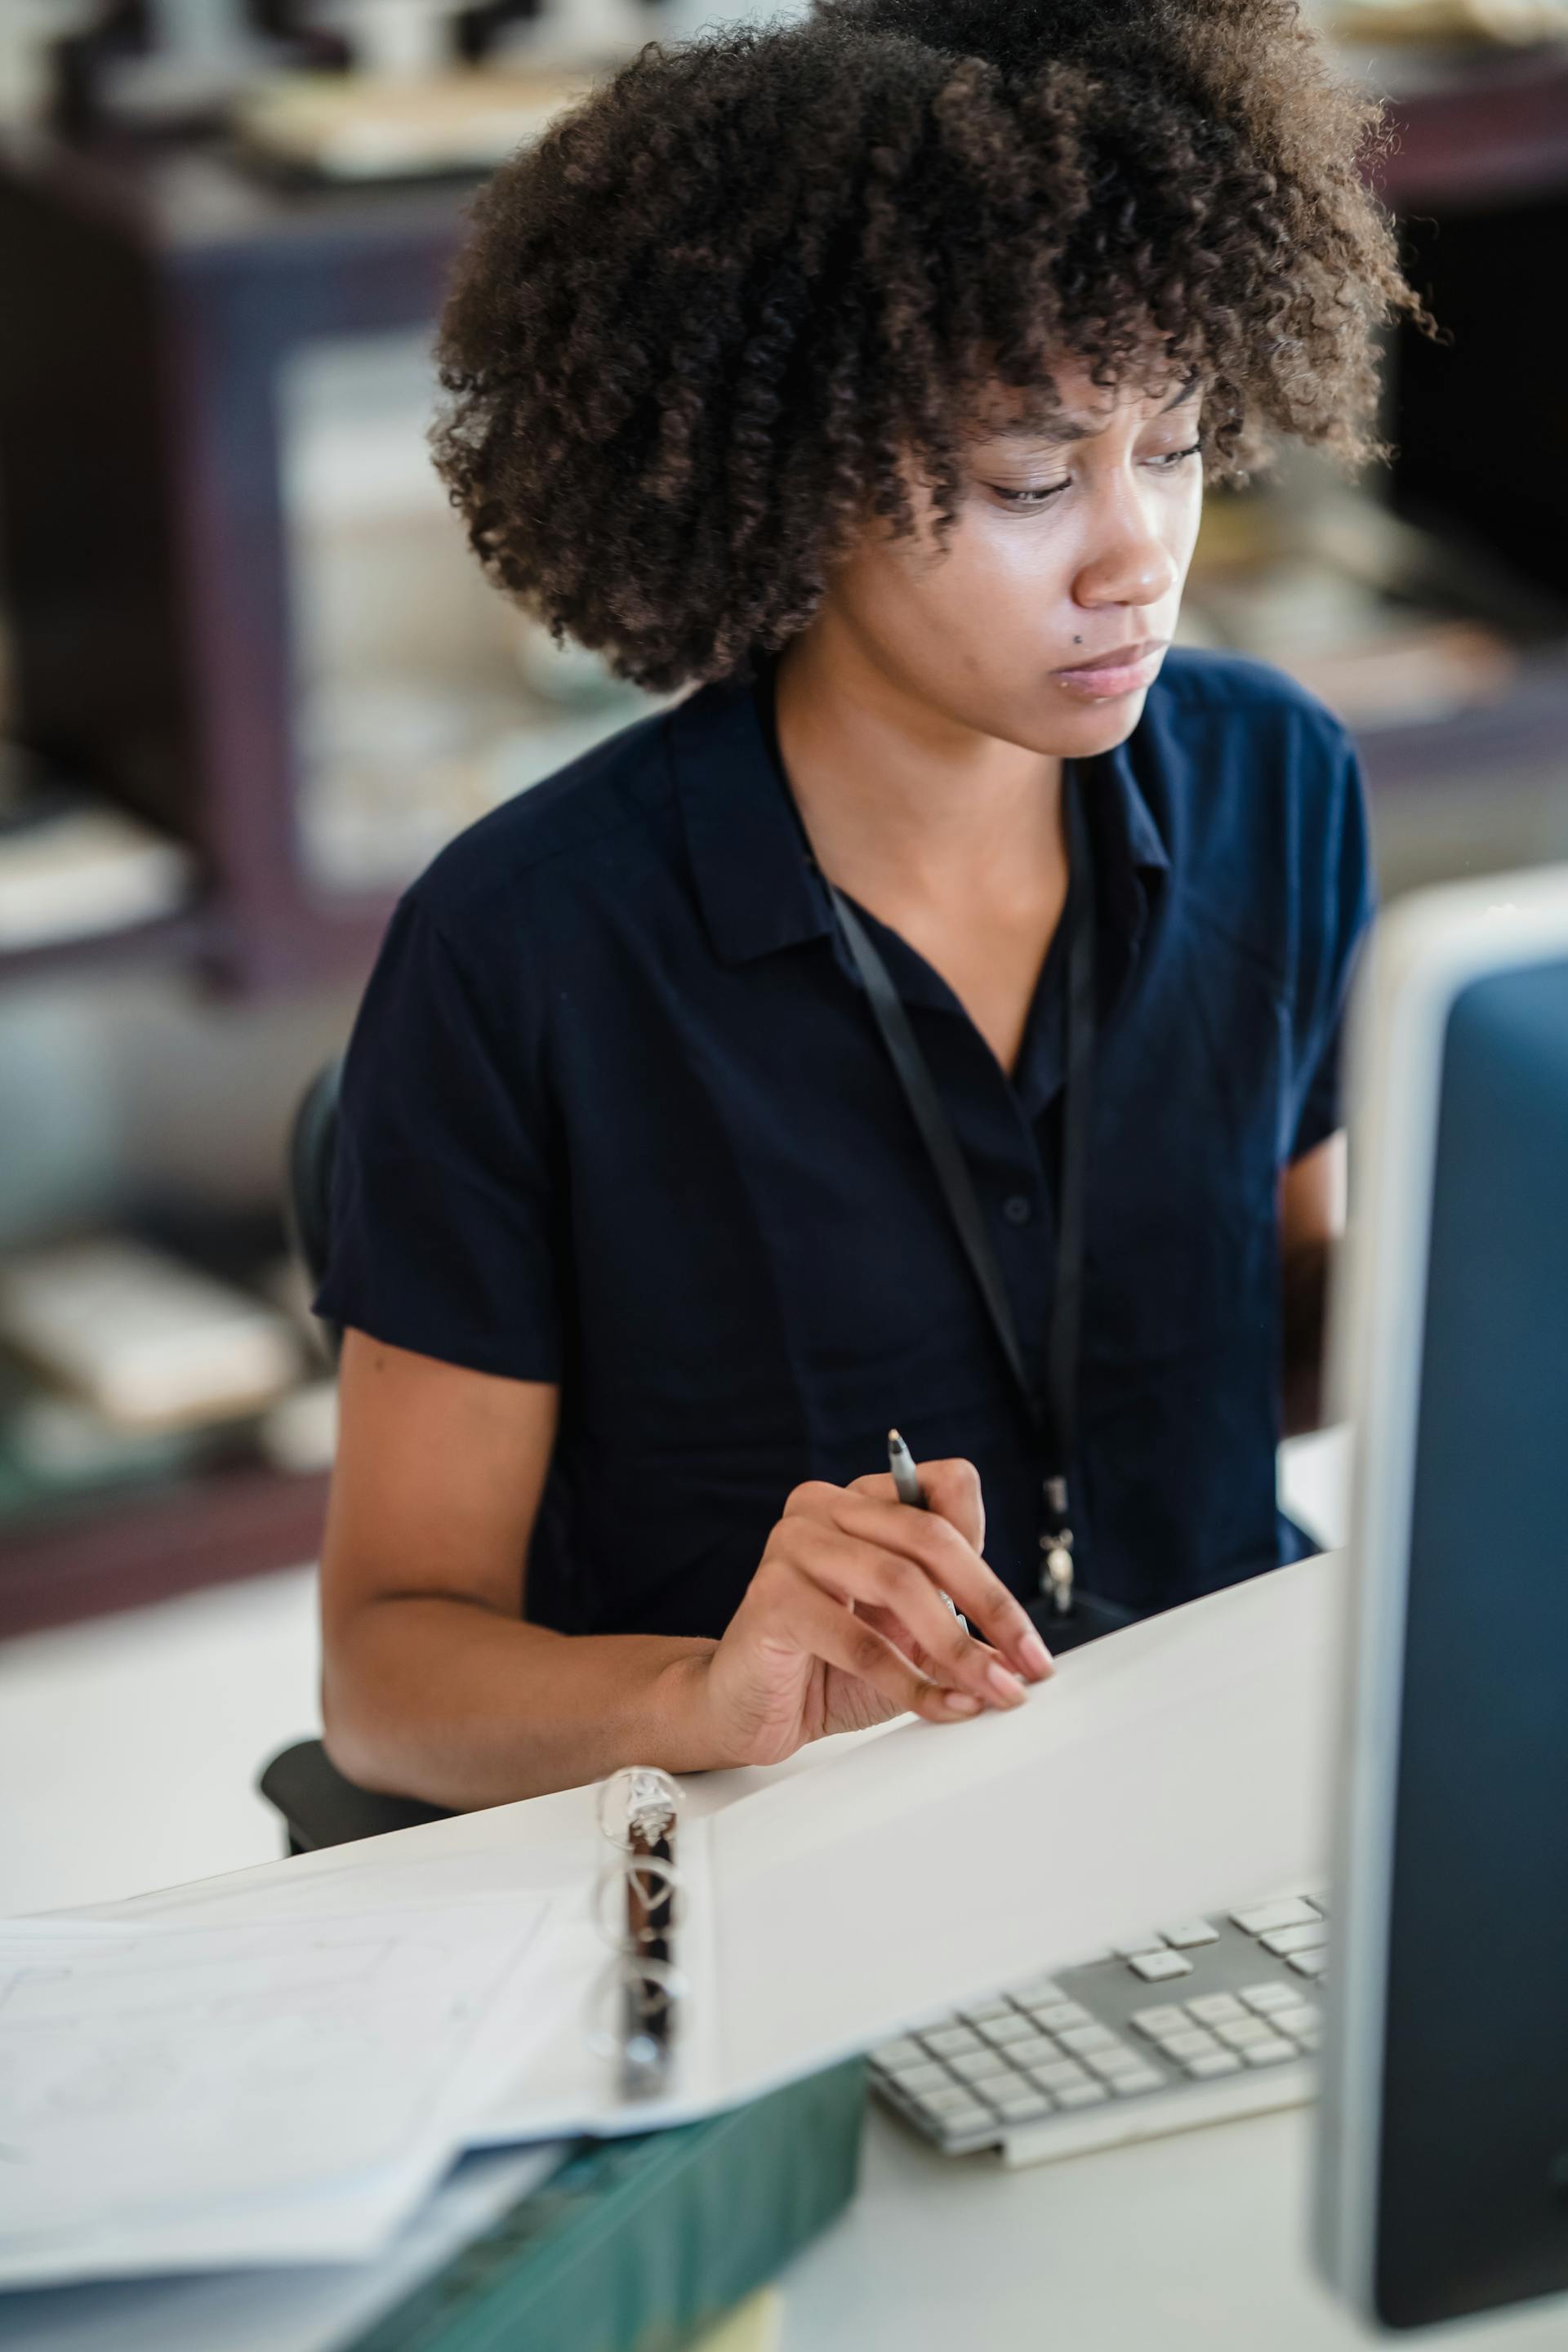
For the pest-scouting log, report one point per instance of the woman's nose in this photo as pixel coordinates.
(1131, 563)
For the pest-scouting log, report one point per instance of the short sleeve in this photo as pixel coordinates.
(444, 1225)
(1337, 902)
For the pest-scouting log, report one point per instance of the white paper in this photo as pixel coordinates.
(315, 2309)
(1182, 1766)
(273, 2091)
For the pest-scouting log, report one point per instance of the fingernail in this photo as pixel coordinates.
(1035, 1654)
(1006, 1685)
(959, 1702)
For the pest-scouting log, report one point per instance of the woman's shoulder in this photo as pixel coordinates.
(1250, 763)
(1196, 684)
(580, 823)
(1259, 795)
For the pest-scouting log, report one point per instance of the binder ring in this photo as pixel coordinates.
(637, 1902)
(636, 1806)
(635, 2011)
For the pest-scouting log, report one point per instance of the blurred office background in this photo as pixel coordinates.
(250, 681)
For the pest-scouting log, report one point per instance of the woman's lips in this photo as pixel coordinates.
(1126, 669)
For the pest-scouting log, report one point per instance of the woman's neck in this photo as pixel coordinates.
(906, 809)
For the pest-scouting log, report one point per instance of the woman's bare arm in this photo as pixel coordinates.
(433, 1687)
(1311, 1221)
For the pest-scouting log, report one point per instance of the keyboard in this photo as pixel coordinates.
(1191, 2024)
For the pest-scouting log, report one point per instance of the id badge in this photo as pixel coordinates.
(1085, 1619)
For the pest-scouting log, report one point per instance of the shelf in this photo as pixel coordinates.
(1473, 127)
(172, 939)
(1525, 729)
(152, 1544)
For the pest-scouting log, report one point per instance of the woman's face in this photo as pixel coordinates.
(1045, 619)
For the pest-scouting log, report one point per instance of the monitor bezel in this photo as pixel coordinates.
(1428, 950)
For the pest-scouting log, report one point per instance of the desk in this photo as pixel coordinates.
(1193, 2240)
(1196, 2244)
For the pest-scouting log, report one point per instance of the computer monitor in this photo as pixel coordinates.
(1443, 2170)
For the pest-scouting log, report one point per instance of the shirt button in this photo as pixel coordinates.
(1016, 1209)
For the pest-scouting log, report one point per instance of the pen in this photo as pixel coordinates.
(906, 1480)
(908, 1488)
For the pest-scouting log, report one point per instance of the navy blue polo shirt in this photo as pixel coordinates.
(615, 1115)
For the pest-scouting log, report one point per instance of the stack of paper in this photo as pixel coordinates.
(196, 2095)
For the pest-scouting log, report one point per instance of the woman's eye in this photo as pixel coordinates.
(1029, 498)
(1164, 461)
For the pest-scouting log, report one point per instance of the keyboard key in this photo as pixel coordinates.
(1290, 1911)
(1307, 1964)
(1265, 1997)
(1011, 2028)
(1305, 2020)
(1136, 1944)
(1305, 1938)
(1267, 2053)
(1189, 1934)
(1052, 2016)
(949, 2040)
(1127, 2086)
(892, 2055)
(1168, 2018)
(1213, 2061)
(1244, 2032)
(917, 2080)
(1039, 2050)
(1080, 2094)
(1080, 2039)
(1016, 2103)
(1155, 1967)
(1108, 2064)
(1039, 1993)
(976, 2065)
(982, 2012)
(1059, 2076)
(958, 2110)
(1216, 2008)
(1190, 2045)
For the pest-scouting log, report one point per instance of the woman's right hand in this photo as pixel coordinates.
(844, 1623)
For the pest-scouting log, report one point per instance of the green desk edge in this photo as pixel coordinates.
(636, 2245)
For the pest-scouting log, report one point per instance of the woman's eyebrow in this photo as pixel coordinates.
(1076, 428)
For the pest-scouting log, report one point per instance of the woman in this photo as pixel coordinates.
(933, 1018)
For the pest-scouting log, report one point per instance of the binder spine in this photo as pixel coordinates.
(639, 1906)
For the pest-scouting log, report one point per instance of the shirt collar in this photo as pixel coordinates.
(756, 881)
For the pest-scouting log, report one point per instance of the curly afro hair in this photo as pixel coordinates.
(697, 329)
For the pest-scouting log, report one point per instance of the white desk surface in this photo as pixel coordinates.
(1194, 2244)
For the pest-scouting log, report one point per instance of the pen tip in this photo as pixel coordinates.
(893, 1437)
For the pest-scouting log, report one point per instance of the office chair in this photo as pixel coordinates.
(319, 1806)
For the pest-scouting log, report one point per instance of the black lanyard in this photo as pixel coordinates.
(1055, 1422)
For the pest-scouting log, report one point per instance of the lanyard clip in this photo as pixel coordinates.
(1056, 1543)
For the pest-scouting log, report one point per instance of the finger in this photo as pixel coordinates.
(824, 1629)
(935, 1545)
(871, 1577)
(951, 1490)
(886, 1621)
